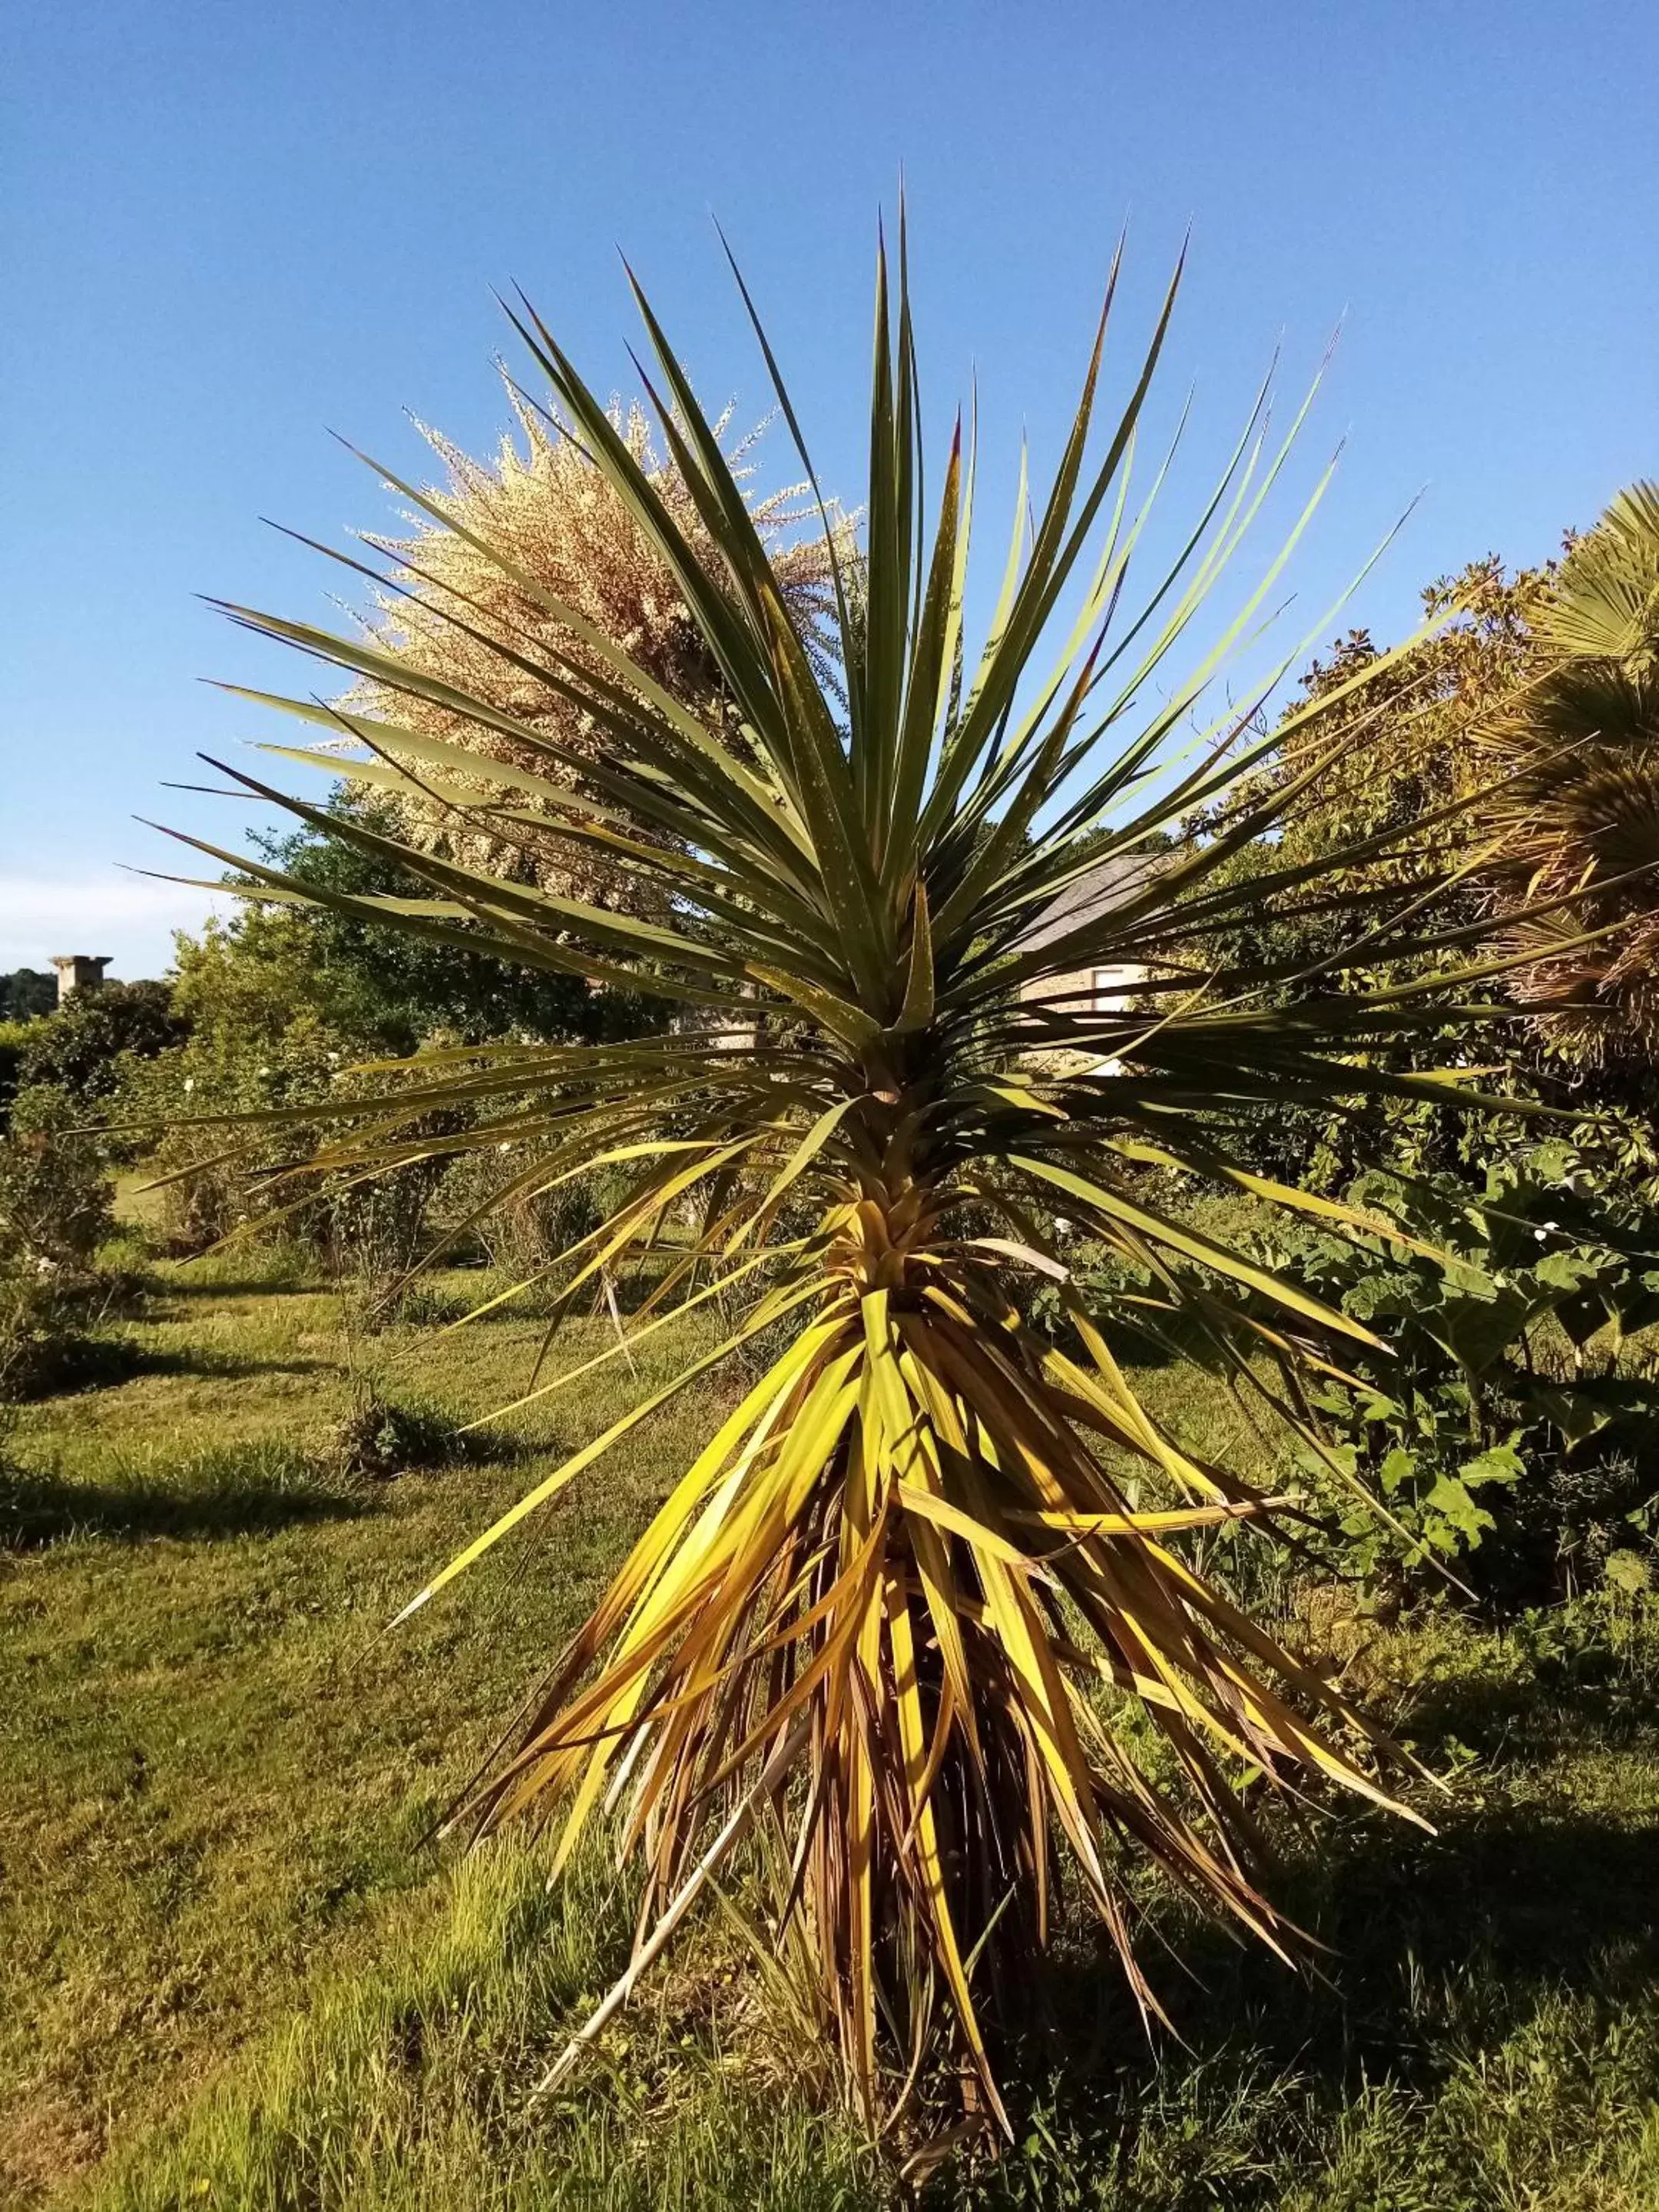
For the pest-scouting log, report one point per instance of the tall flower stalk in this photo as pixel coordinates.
(543, 502)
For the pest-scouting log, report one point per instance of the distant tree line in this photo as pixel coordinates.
(25, 993)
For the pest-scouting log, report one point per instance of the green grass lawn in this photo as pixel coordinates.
(234, 1970)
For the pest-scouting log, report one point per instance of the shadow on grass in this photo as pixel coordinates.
(386, 1433)
(1568, 1692)
(66, 1366)
(226, 1366)
(187, 1285)
(247, 1489)
(97, 1362)
(1436, 1948)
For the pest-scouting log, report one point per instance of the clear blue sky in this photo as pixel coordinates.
(229, 227)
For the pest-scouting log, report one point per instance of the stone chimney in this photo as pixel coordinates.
(79, 971)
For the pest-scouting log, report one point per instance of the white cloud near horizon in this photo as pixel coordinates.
(130, 917)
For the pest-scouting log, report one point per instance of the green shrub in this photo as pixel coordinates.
(15, 1035)
(55, 1189)
(1510, 1425)
(223, 1177)
(373, 1233)
(210, 1169)
(1506, 1425)
(49, 1338)
(525, 1233)
(85, 1047)
(384, 1435)
(221, 1180)
(55, 1214)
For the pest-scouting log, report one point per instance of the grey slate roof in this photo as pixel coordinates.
(1108, 885)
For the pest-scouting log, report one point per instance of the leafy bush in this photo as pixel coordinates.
(526, 1231)
(85, 1046)
(281, 1006)
(55, 1189)
(218, 1186)
(55, 1214)
(372, 1234)
(14, 1036)
(255, 1042)
(220, 1177)
(48, 1336)
(1511, 1415)
(383, 1436)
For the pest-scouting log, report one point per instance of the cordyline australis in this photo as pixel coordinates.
(901, 1603)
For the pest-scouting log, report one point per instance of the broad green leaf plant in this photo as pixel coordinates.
(1508, 1412)
(920, 1609)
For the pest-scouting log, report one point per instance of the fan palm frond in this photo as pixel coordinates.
(1581, 812)
(1607, 607)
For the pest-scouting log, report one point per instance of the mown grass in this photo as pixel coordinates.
(213, 1764)
(234, 1971)
(413, 2083)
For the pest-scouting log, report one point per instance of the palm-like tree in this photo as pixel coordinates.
(902, 1603)
(1582, 745)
